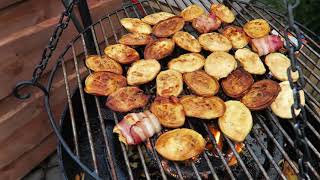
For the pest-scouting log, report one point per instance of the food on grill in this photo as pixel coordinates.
(220, 64)
(135, 25)
(104, 83)
(135, 128)
(192, 12)
(236, 123)
(187, 41)
(223, 13)
(250, 61)
(237, 83)
(257, 28)
(143, 71)
(159, 49)
(187, 62)
(267, 44)
(215, 42)
(135, 39)
(282, 104)
(122, 53)
(168, 27)
(206, 23)
(169, 83)
(203, 107)
(169, 111)
(237, 36)
(201, 83)
(261, 94)
(103, 63)
(155, 18)
(180, 144)
(126, 99)
(278, 65)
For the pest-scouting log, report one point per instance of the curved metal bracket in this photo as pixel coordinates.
(23, 84)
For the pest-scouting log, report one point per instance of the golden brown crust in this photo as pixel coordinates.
(215, 42)
(135, 25)
(135, 39)
(257, 28)
(223, 13)
(122, 53)
(159, 49)
(168, 27)
(187, 62)
(192, 12)
(169, 83)
(237, 36)
(155, 18)
(250, 61)
(143, 71)
(103, 63)
(187, 41)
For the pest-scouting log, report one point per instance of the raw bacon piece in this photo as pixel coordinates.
(267, 44)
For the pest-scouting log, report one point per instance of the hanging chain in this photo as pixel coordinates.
(299, 123)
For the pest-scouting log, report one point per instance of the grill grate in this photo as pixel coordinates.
(100, 154)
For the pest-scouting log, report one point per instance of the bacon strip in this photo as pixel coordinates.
(206, 23)
(267, 44)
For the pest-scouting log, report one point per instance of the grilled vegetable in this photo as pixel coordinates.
(135, 25)
(192, 12)
(159, 49)
(267, 44)
(122, 53)
(169, 83)
(257, 28)
(250, 61)
(187, 41)
(168, 27)
(237, 36)
(155, 18)
(180, 144)
(215, 42)
(187, 62)
(143, 71)
(103, 63)
(135, 39)
(206, 23)
(223, 13)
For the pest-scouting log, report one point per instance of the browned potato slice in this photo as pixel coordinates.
(187, 62)
(143, 71)
(187, 41)
(201, 83)
(155, 18)
(223, 13)
(159, 49)
(215, 42)
(168, 27)
(236, 123)
(103, 63)
(278, 65)
(135, 25)
(237, 36)
(135, 39)
(104, 83)
(220, 64)
(250, 61)
(169, 111)
(180, 144)
(203, 107)
(257, 28)
(169, 83)
(192, 12)
(122, 53)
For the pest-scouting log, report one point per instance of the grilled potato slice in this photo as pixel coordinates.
(278, 65)
(250, 61)
(180, 144)
(169, 83)
(169, 111)
(126, 99)
(236, 123)
(257, 28)
(187, 62)
(159, 49)
(122, 53)
(135, 25)
(187, 41)
(201, 83)
(203, 107)
(220, 64)
(192, 12)
(135, 39)
(223, 13)
(282, 104)
(103, 63)
(155, 18)
(237, 36)
(215, 42)
(168, 27)
(104, 83)
(143, 71)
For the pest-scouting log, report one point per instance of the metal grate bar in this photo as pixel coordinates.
(164, 176)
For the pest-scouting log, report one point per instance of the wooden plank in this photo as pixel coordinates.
(7, 3)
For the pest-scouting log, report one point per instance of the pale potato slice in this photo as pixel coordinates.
(135, 25)
(103, 63)
(122, 53)
(278, 65)
(154, 18)
(135, 39)
(215, 42)
(236, 123)
(220, 64)
(187, 62)
(187, 41)
(223, 13)
(257, 28)
(192, 12)
(282, 104)
(237, 36)
(143, 71)
(250, 61)
(169, 83)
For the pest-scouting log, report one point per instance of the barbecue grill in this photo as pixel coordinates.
(88, 148)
